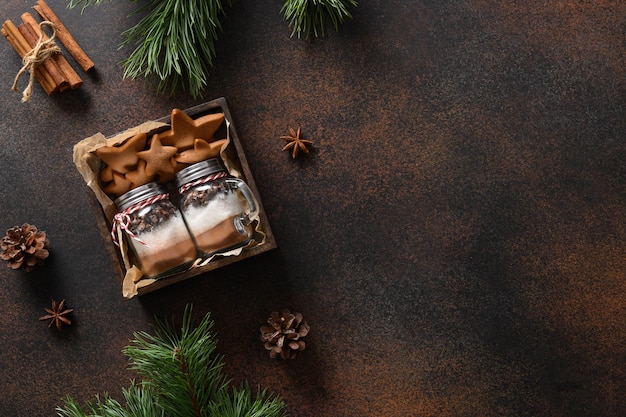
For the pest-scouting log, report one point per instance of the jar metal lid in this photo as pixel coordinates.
(139, 194)
(199, 170)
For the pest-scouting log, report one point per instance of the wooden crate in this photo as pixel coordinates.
(237, 156)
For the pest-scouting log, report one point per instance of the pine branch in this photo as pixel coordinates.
(184, 364)
(182, 377)
(174, 41)
(105, 407)
(310, 16)
(243, 404)
(141, 401)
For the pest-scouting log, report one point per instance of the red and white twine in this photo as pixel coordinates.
(122, 219)
(185, 187)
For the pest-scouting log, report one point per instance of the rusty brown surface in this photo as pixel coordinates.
(456, 240)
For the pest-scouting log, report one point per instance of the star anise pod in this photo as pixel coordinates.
(295, 143)
(24, 247)
(57, 314)
(283, 336)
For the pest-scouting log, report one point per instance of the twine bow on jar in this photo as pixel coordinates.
(122, 219)
(43, 50)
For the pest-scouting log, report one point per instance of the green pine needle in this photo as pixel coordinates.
(308, 17)
(184, 363)
(243, 404)
(174, 41)
(83, 3)
(181, 377)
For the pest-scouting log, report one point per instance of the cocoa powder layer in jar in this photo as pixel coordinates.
(223, 236)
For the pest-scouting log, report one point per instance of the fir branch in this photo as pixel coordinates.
(310, 16)
(141, 401)
(243, 404)
(105, 407)
(189, 382)
(185, 364)
(182, 376)
(71, 408)
(174, 40)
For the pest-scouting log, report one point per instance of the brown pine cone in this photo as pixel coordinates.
(283, 336)
(24, 247)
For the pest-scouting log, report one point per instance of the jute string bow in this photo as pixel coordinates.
(43, 50)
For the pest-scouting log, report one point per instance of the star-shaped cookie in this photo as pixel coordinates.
(106, 175)
(159, 158)
(118, 186)
(139, 176)
(123, 158)
(185, 129)
(202, 150)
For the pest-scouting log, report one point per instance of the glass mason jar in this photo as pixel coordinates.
(217, 208)
(155, 230)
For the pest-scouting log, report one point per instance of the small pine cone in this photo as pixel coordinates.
(24, 247)
(283, 336)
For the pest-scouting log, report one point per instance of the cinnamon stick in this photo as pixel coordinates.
(65, 36)
(21, 46)
(68, 72)
(55, 73)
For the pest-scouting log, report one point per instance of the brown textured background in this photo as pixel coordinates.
(456, 240)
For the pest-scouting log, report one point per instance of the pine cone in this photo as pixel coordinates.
(24, 247)
(283, 336)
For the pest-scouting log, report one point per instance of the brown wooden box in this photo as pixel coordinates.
(237, 156)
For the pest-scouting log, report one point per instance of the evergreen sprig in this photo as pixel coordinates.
(239, 403)
(185, 364)
(310, 16)
(140, 402)
(174, 40)
(182, 377)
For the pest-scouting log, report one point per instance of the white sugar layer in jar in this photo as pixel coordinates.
(213, 225)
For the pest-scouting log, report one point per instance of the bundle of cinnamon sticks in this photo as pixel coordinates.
(55, 73)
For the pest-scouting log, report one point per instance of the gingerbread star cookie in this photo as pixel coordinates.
(139, 176)
(123, 158)
(202, 150)
(159, 158)
(185, 129)
(106, 175)
(118, 186)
